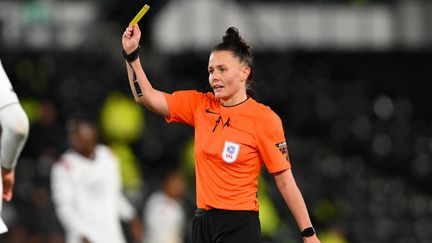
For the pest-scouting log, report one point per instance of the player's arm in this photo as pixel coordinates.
(143, 91)
(15, 129)
(129, 214)
(294, 199)
(125, 209)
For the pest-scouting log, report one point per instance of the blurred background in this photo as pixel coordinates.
(351, 80)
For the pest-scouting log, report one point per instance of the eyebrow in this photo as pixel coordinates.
(220, 65)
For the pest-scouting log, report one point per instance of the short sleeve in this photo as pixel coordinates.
(271, 143)
(182, 106)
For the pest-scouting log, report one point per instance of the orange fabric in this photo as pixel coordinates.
(228, 160)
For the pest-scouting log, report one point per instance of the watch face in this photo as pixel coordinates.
(308, 232)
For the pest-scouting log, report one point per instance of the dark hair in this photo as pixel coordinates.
(232, 41)
(72, 124)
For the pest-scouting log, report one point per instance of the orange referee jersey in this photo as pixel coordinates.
(231, 145)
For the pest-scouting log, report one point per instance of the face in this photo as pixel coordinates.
(175, 185)
(84, 139)
(227, 77)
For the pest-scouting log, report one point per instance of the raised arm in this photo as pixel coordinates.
(292, 195)
(142, 90)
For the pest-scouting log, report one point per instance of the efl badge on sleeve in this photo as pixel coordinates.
(230, 151)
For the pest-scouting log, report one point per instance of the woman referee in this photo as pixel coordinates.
(234, 136)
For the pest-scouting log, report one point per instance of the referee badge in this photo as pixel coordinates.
(230, 151)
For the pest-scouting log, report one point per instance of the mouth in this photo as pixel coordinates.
(217, 87)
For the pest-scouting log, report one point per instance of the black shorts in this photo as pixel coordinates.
(226, 226)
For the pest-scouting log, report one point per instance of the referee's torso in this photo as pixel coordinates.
(231, 144)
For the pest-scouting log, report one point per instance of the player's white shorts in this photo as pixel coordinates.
(7, 95)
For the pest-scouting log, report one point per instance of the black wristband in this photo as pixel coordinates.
(308, 232)
(132, 56)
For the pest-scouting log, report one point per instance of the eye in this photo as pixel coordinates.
(210, 71)
(222, 69)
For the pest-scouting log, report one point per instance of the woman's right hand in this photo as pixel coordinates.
(130, 39)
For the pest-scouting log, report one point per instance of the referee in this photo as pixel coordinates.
(234, 137)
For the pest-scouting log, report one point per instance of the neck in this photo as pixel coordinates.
(235, 100)
(87, 154)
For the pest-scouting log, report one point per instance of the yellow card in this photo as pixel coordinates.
(139, 15)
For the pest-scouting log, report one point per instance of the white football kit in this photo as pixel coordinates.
(14, 126)
(7, 95)
(88, 198)
(164, 219)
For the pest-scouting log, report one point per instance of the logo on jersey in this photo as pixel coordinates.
(210, 111)
(230, 151)
(283, 148)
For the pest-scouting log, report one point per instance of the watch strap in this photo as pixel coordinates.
(132, 56)
(308, 232)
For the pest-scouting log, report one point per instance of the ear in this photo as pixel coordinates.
(245, 72)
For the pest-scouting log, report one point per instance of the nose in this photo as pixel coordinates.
(213, 79)
(215, 76)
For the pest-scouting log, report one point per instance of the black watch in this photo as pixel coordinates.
(308, 232)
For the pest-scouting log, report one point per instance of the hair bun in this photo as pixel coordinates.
(232, 36)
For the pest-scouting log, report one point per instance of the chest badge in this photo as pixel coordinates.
(230, 151)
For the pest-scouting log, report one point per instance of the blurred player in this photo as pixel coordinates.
(234, 137)
(14, 132)
(164, 215)
(87, 193)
